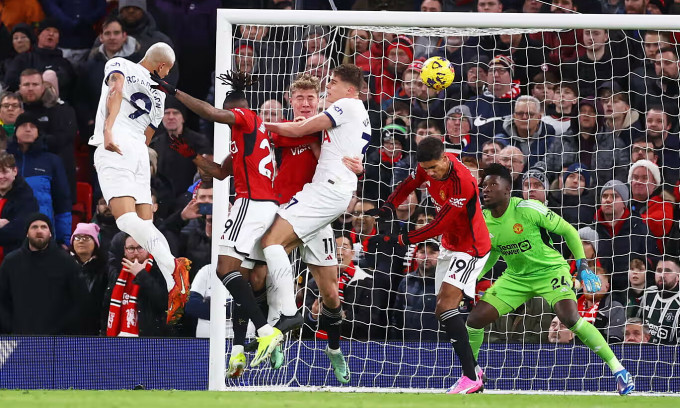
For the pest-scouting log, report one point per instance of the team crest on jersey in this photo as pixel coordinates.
(442, 194)
(518, 228)
(233, 147)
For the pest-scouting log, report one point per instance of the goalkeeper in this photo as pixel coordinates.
(519, 232)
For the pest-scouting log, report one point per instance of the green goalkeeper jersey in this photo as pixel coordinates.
(521, 236)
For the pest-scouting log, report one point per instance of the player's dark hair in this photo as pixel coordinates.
(239, 82)
(430, 148)
(495, 169)
(351, 74)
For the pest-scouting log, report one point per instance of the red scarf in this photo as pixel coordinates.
(618, 224)
(354, 237)
(385, 158)
(588, 314)
(123, 320)
(514, 91)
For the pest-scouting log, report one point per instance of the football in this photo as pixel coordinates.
(437, 73)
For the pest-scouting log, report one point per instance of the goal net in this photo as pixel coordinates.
(584, 111)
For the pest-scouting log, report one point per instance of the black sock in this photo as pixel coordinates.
(243, 295)
(331, 320)
(239, 319)
(261, 300)
(454, 325)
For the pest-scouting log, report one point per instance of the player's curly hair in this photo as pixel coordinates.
(239, 82)
(495, 169)
(305, 81)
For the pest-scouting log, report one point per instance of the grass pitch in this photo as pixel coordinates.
(318, 399)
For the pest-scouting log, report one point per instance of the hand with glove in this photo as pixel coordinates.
(591, 282)
(385, 213)
(393, 239)
(162, 85)
(180, 145)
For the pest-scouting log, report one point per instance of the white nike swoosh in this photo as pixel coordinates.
(479, 121)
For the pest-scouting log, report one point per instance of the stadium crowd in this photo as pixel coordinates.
(586, 121)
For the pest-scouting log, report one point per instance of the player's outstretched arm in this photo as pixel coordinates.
(206, 110)
(213, 169)
(314, 124)
(113, 101)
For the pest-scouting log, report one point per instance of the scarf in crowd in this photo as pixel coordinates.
(123, 319)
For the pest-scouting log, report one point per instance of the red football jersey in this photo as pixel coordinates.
(459, 214)
(252, 157)
(298, 164)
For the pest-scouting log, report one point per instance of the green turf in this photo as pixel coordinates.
(172, 399)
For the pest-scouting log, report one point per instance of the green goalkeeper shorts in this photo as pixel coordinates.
(510, 291)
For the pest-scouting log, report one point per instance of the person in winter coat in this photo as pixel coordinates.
(599, 309)
(86, 252)
(387, 167)
(16, 204)
(40, 291)
(44, 172)
(575, 201)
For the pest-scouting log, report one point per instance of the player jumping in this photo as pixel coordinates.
(465, 243)
(127, 116)
(308, 214)
(519, 232)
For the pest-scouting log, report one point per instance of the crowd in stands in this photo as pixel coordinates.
(586, 120)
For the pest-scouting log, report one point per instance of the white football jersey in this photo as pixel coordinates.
(349, 136)
(142, 106)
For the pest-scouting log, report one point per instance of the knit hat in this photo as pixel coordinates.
(26, 118)
(612, 86)
(243, 46)
(589, 235)
(582, 169)
(663, 5)
(132, 3)
(403, 42)
(172, 103)
(462, 110)
(653, 168)
(395, 132)
(38, 217)
(504, 61)
(26, 29)
(47, 23)
(87, 229)
(482, 62)
(537, 171)
(619, 187)
(416, 65)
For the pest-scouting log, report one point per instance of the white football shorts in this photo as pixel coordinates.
(126, 175)
(247, 223)
(458, 269)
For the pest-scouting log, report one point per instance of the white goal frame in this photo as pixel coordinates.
(227, 18)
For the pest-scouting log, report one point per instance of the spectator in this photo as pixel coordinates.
(527, 131)
(138, 23)
(11, 107)
(427, 46)
(660, 307)
(172, 165)
(14, 12)
(532, 6)
(535, 184)
(637, 283)
(428, 128)
(558, 333)
(658, 6)
(474, 79)
(662, 88)
(622, 237)
(56, 121)
(529, 56)
(23, 40)
(413, 317)
(635, 6)
(141, 280)
(658, 125)
(643, 149)
(575, 201)
(398, 56)
(115, 42)
(363, 228)
(458, 124)
(599, 309)
(389, 166)
(562, 45)
(358, 42)
(496, 102)
(489, 6)
(44, 172)
(106, 223)
(16, 204)
(471, 163)
(560, 114)
(489, 151)
(543, 87)
(653, 41)
(270, 111)
(91, 259)
(612, 6)
(44, 56)
(162, 187)
(636, 331)
(513, 159)
(619, 118)
(600, 151)
(75, 20)
(40, 291)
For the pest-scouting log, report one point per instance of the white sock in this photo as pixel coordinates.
(236, 349)
(265, 330)
(281, 272)
(148, 236)
(274, 308)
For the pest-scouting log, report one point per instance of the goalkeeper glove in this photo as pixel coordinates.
(180, 145)
(385, 213)
(162, 85)
(394, 239)
(590, 280)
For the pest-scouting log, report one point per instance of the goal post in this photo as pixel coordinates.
(396, 358)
